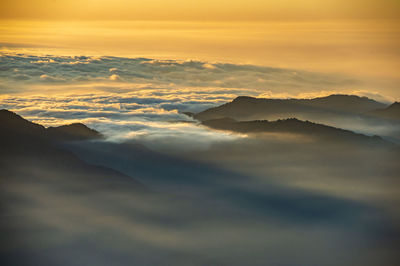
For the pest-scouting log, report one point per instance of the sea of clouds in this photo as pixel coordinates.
(220, 202)
(144, 98)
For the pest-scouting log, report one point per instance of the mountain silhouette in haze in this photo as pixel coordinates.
(58, 209)
(249, 108)
(292, 126)
(12, 122)
(34, 147)
(76, 131)
(391, 112)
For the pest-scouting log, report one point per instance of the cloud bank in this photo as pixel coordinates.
(28, 69)
(132, 97)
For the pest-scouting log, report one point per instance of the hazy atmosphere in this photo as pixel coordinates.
(199, 133)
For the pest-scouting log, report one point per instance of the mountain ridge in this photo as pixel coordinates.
(15, 123)
(293, 126)
(251, 108)
(24, 143)
(391, 112)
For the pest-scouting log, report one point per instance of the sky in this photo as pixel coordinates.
(356, 37)
(206, 10)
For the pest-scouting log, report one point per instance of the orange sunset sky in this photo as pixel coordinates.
(359, 38)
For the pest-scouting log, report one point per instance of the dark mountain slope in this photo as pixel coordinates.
(11, 123)
(76, 131)
(391, 112)
(27, 148)
(292, 126)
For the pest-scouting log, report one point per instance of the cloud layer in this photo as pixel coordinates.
(27, 69)
(136, 97)
(221, 203)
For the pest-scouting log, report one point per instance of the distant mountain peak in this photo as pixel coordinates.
(395, 105)
(73, 126)
(332, 96)
(5, 111)
(13, 122)
(250, 108)
(244, 98)
(347, 97)
(392, 112)
(9, 115)
(339, 95)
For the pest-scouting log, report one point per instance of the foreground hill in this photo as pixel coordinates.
(292, 126)
(30, 147)
(249, 108)
(58, 210)
(13, 123)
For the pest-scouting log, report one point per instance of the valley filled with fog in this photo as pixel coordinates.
(194, 163)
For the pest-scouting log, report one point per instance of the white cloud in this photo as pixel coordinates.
(209, 66)
(115, 77)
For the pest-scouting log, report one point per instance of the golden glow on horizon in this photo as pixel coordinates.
(357, 47)
(358, 37)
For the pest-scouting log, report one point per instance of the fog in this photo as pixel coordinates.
(285, 199)
(268, 199)
(279, 200)
(162, 189)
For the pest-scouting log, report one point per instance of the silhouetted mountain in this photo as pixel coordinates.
(292, 126)
(391, 112)
(76, 131)
(27, 144)
(12, 123)
(249, 108)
